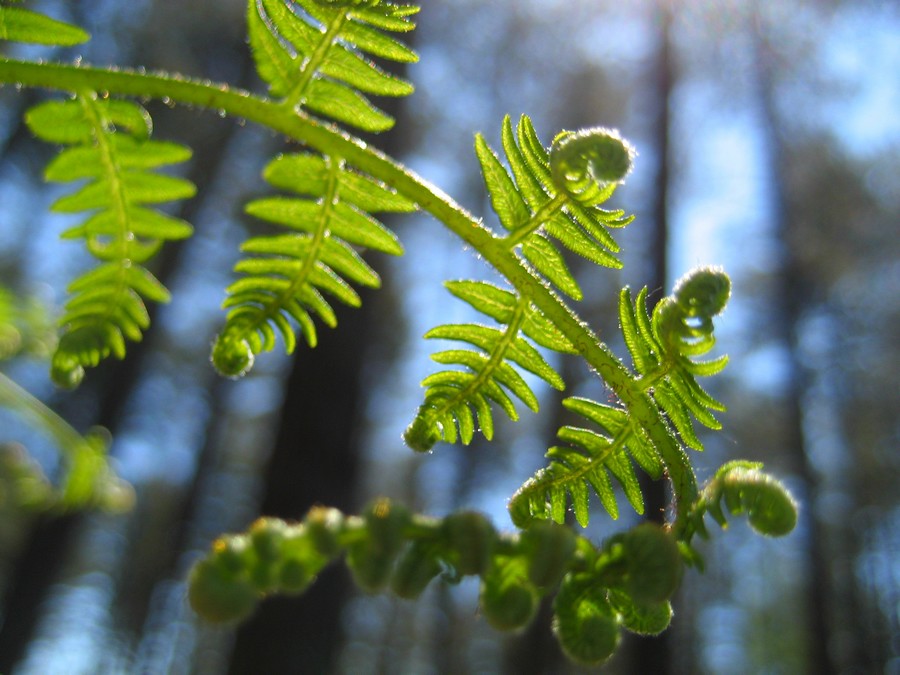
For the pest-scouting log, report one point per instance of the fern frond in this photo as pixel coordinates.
(462, 398)
(596, 457)
(663, 347)
(556, 195)
(286, 274)
(109, 147)
(23, 25)
(313, 54)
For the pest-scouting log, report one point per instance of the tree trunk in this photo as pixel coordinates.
(653, 654)
(792, 298)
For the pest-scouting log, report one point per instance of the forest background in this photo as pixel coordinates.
(768, 136)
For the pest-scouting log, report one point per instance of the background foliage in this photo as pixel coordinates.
(766, 131)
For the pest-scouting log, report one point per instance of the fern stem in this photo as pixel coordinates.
(329, 140)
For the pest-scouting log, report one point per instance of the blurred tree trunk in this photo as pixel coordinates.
(653, 654)
(794, 294)
(315, 460)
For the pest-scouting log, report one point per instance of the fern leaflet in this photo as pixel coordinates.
(543, 194)
(286, 274)
(662, 348)
(311, 53)
(460, 398)
(109, 147)
(556, 195)
(573, 471)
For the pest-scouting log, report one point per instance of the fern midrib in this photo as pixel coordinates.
(322, 232)
(648, 380)
(572, 475)
(118, 201)
(329, 140)
(541, 216)
(496, 357)
(314, 61)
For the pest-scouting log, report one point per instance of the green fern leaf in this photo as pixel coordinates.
(452, 395)
(288, 276)
(311, 53)
(23, 25)
(555, 195)
(590, 460)
(109, 148)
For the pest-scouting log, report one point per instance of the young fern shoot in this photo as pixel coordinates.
(314, 56)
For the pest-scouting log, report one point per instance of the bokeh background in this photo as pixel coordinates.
(768, 139)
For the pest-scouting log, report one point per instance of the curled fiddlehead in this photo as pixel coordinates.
(584, 620)
(556, 195)
(742, 488)
(108, 146)
(664, 348)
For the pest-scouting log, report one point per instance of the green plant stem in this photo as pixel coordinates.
(16, 398)
(331, 140)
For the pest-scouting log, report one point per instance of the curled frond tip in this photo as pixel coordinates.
(596, 156)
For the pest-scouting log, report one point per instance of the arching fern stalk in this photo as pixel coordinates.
(316, 58)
